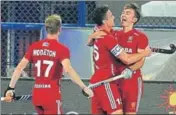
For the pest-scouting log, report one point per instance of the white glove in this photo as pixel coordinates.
(127, 73)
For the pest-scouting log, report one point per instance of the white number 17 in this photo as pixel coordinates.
(46, 62)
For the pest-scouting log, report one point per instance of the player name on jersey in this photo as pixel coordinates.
(44, 52)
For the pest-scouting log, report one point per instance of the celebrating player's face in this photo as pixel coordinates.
(109, 19)
(128, 17)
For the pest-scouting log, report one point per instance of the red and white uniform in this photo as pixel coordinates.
(46, 57)
(106, 97)
(131, 88)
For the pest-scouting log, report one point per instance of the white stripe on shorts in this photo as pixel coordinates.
(112, 69)
(139, 93)
(58, 107)
(110, 96)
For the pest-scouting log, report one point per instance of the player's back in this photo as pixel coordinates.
(46, 56)
(104, 61)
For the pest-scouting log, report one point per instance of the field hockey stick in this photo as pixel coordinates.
(103, 82)
(165, 51)
(18, 98)
(158, 50)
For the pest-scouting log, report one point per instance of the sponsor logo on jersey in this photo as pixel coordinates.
(128, 50)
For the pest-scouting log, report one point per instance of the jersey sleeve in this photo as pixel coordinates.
(142, 42)
(28, 54)
(113, 46)
(65, 54)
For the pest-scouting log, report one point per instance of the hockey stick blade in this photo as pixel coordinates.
(165, 51)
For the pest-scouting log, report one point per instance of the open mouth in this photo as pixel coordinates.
(123, 20)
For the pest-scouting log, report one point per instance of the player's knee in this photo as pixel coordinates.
(39, 110)
(120, 112)
(131, 109)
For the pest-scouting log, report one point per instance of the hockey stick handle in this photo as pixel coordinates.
(18, 98)
(102, 82)
(106, 81)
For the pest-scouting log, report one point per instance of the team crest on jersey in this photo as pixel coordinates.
(45, 44)
(130, 39)
(116, 37)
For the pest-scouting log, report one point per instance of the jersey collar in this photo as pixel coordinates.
(129, 32)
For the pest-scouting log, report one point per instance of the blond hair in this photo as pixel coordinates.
(53, 24)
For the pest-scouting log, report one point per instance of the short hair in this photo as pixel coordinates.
(100, 14)
(136, 9)
(53, 24)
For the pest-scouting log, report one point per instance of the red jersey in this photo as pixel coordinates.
(131, 42)
(46, 57)
(105, 50)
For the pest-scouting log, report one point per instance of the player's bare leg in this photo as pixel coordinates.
(130, 113)
(39, 110)
(133, 105)
(120, 111)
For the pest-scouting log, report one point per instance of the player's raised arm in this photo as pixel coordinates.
(142, 44)
(95, 35)
(139, 64)
(75, 77)
(118, 52)
(132, 58)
